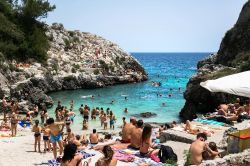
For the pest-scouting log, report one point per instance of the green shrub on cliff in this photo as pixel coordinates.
(22, 34)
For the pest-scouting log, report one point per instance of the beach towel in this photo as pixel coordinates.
(85, 154)
(24, 124)
(146, 161)
(53, 163)
(124, 157)
(211, 122)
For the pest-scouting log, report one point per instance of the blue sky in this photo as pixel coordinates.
(151, 25)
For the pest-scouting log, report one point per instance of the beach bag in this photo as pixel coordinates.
(166, 153)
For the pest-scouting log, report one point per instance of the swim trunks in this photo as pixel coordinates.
(56, 138)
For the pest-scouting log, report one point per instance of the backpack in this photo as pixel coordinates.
(167, 153)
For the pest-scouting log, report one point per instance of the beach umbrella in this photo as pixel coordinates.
(237, 84)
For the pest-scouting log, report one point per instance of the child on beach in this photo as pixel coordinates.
(37, 130)
(55, 135)
(46, 133)
(112, 120)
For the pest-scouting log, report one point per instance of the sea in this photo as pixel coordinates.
(172, 70)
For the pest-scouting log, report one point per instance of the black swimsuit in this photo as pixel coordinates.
(37, 134)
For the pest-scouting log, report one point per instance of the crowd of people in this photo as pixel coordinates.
(57, 133)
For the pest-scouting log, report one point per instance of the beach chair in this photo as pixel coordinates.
(238, 141)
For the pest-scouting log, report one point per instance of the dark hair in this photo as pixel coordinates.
(68, 130)
(50, 121)
(108, 136)
(213, 146)
(110, 113)
(139, 123)
(37, 122)
(94, 130)
(78, 137)
(108, 152)
(167, 126)
(146, 133)
(69, 152)
(201, 135)
(81, 105)
(123, 118)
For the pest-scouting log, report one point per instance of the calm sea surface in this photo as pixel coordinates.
(171, 69)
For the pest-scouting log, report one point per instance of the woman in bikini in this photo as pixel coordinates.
(70, 157)
(146, 142)
(108, 159)
(37, 129)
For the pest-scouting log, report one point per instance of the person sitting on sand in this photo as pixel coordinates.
(46, 134)
(37, 130)
(173, 124)
(146, 142)
(198, 147)
(126, 131)
(136, 135)
(94, 137)
(55, 135)
(70, 136)
(5, 125)
(108, 159)
(13, 122)
(77, 142)
(208, 156)
(70, 157)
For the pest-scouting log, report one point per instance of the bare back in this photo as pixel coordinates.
(136, 137)
(126, 131)
(196, 149)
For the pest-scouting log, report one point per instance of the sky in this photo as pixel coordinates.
(151, 25)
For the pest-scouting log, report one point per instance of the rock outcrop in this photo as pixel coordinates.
(232, 57)
(75, 60)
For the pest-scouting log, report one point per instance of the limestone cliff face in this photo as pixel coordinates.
(75, 60)
(232, 57)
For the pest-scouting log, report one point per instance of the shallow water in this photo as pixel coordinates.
(172, 69)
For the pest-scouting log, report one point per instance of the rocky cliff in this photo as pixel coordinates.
(75, 60)
(232, 57)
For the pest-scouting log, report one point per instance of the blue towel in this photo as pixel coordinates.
(211, 122)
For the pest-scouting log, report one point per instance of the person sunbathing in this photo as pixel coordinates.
(126, 131)
(77, 142)
(136, 135)
(37, 130)
(55, 135)
(190, 128)
(70, 157)
(146, 142)
(94, 137)
(5, 125)
(108, 159)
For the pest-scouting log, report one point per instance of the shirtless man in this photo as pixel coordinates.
(136, 135)
(126, 131)
(94, 137)
(198, 147)
(70, 136)
(86, 114)
(77, 142)
(55, 135)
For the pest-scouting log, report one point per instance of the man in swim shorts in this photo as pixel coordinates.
(55, 135)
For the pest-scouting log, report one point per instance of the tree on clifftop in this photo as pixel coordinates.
(22, 33)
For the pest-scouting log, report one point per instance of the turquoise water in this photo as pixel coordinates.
(172, 69)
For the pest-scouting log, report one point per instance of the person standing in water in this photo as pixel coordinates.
(112, 120)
